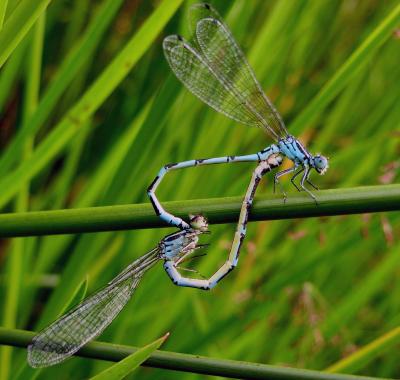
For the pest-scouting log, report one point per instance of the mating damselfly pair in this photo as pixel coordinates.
(214, 68)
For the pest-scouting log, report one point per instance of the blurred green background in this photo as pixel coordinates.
(306, 292)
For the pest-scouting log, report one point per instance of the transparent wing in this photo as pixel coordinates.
(217, 51)
(86, 321)
(198, 12)
(200, 78)
(226, 58)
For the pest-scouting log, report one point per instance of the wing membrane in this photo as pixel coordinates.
(227, 59)
(200, 78)
(86, 321)
(216, 70)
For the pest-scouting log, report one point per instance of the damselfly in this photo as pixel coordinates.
(214, 68)
(88, 319)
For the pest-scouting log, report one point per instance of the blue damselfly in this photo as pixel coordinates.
(213, 67)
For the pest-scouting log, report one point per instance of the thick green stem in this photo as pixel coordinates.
(186, 363)
(217, 210)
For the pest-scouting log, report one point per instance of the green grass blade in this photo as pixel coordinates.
(66, 178)
(130, 363)
(367, 288)
(78, 19)
(91, 100)
(78, 295)
(3, 8)
(364, 355)
(19, 23)
(10, 72)
(111, 163)
(70, 67)
(347, 71)
(19, 249)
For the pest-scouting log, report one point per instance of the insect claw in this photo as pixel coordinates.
(315, 198)
(312, 196)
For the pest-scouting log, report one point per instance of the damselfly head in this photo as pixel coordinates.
(199, 222)
(321, 164)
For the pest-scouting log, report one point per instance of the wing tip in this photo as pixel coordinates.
(34, 359)
(201, 5)
(39, 357)
(205, 5)
(172, 40)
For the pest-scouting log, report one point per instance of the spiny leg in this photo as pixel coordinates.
(179, 222)
(309, 182)
(280, 174)
(303, 179)
(233, 258)
(293, 178)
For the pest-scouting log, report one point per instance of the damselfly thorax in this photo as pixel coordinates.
(294, 150)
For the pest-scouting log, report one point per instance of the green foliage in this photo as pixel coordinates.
(18, 25)
(109, 114)
(124, 367)
(77, 297)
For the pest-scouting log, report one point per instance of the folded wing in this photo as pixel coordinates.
(87, 320)
(215, 69)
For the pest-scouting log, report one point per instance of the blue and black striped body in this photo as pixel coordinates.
(295, 151)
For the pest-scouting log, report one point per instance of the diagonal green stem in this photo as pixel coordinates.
(3, 8)
(367, 353)
(185, 362)
(19, 23)
(67, 71)
(218, 210)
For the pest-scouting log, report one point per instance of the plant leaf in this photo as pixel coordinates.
(19, 23)
(131, 362)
